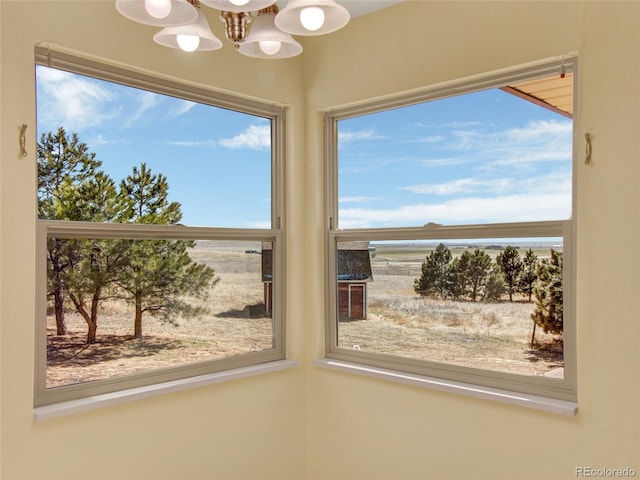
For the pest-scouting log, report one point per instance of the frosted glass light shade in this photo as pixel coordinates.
(168, 37)
(263, 31)
(335, 17)
(228, 6)
(158, 8)
(270, 47)
(312, 18)
(182, 13)
(188, 43)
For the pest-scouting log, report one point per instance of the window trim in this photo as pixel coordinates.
(184, 375)
(559, 389)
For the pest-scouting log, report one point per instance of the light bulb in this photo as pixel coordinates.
(187, 42)
(312, 18)
(158, 8)
(239, 3)
(270, 47)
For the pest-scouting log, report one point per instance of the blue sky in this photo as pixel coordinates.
(217, 162)
(478, 158)
(484, 157)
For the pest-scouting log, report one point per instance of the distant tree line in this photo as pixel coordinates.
(154, 276)
(476, 277)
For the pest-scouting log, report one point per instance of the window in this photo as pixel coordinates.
(160, 245)
(450, 232)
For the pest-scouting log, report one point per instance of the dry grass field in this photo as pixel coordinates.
(399, 322)
(486, 335)
(235, 324)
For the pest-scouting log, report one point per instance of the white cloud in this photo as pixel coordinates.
(538, 141)
(428, 139)
(443, 162)
(360, 199)
(346, 136)
(541, 129)
(462, 185)
(72, 101)
(99, 139)
(556, 184)
(183, 107)
(510, 208)
(454, 124)
(144, 101)
(466, 139)
(257, 137)
(256, 224)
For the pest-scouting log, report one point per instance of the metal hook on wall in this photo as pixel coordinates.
(23, 140)
(587, 148)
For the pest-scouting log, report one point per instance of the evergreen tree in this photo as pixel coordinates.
(435, 273)
(495, 286)
(89, 280)
(528, 276)
(471, 273)
(160, 273)
(93, 264)
(457, 281)
(144, 198)
(64, 164)
(511, 267)
(548, 313)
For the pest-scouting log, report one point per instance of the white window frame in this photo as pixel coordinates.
(57, 401)
(553, 394)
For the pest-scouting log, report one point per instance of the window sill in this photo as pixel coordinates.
(562, 407)
(71, 407)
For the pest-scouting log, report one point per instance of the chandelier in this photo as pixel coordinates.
(269, 35)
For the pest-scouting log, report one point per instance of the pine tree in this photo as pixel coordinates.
(94, 264)
(548, 313)
(476, 272)
(64, 164)
(495, 287)
(89, 281)
(528, 277)
(458, 281)
(512, 268)
(160, 273)
(435, 273)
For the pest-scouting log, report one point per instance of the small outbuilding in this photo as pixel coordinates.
(354, 274)
(267, 276)
(353, 271)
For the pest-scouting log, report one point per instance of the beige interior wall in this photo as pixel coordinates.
(311, 423)
(250, 428)
(362, 428)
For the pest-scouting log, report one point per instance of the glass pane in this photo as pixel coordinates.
(483, 157)
(216, 163)
(461, 302)
(132, 306)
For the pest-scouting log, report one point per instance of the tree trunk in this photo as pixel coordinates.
(91, 332)
(92, 322)
(58, 295)
(58, 299)
(137, 322)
